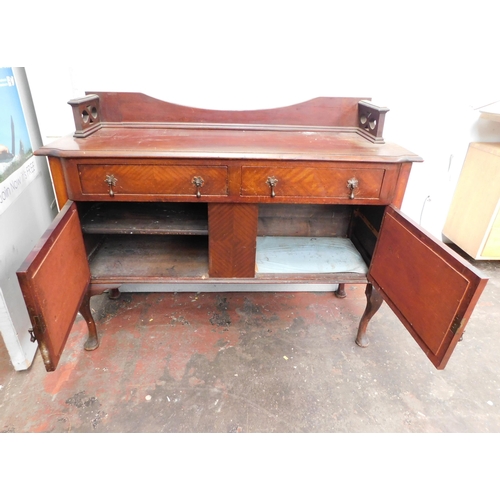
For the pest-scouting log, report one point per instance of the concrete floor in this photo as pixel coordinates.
(257, 363)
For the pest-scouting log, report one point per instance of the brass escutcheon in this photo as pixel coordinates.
(111, 181)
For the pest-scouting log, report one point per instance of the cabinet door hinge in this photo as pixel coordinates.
(39, 327)
(32, 335)
(457, 323)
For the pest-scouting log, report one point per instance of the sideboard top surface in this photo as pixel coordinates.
(141, 142)
(138, 126)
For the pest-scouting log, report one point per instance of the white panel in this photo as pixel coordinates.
(21, 225)
(20, 351)
(229, 287)
(292, 254)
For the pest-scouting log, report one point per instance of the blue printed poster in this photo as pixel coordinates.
(17, 163)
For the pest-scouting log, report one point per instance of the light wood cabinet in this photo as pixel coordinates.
(473, 221)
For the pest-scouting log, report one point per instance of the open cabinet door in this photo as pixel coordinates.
(54, 279)
(430, 288)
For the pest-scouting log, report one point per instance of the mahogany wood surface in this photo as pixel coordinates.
(233, 238)
(309, 181)
(430, 288)
(310, 169)
(135, 107)
(373, 303)
(235, 181)
(58, 180)
(54, 279)
(205, 143)
(152, 179)
(404, 175)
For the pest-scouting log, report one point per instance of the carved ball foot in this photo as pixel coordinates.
(91, 344)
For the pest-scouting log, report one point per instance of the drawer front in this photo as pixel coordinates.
(313, 182)
(116, 180)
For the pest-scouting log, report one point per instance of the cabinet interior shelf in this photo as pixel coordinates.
(146, 218)
(150, 257)
(163, 241)
(185, 257)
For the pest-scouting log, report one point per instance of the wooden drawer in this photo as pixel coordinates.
(344, 183)
(147, 179)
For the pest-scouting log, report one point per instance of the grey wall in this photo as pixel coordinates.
(21, 226)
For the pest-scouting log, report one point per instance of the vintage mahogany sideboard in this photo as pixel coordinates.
(151, 192)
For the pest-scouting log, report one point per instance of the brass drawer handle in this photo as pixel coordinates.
(198, 182)
(111, 181)
(352, 184)
(271, 182)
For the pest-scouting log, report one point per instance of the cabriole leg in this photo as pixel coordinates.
(114, 293)
(373, 302)
(92, 341)
(340, 292)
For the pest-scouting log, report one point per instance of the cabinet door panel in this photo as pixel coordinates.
(54, 278)
(430, 288)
